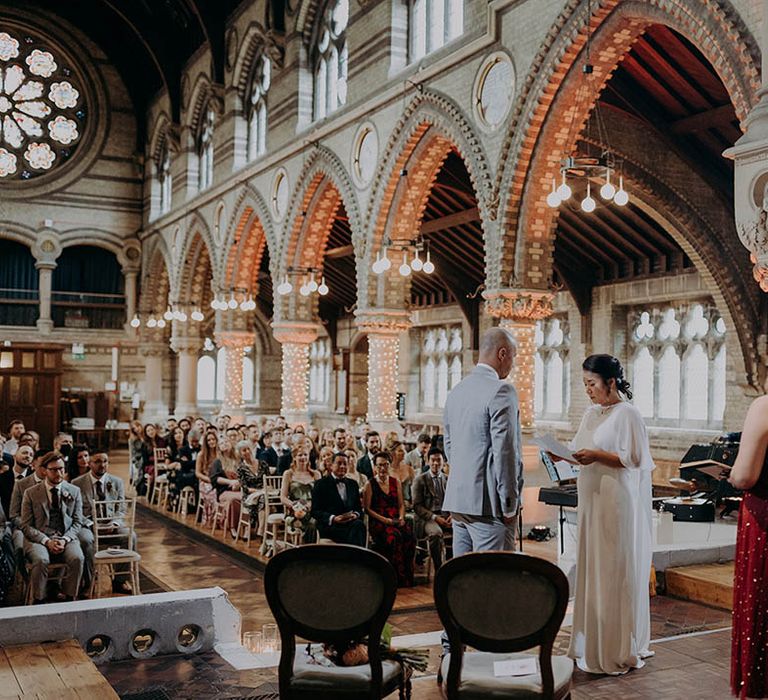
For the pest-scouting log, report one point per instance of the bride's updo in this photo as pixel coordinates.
(608, 367)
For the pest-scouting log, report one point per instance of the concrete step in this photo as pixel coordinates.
(711, 584)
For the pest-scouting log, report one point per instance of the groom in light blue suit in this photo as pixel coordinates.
(483, 444)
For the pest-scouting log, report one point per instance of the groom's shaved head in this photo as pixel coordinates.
(498, 348)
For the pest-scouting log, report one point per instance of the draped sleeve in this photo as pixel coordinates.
(629, 436)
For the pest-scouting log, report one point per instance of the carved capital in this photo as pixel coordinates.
(383, 321)
(153, 350)
(298, 332)
(186, 344)
(518, 304)
(234, 339)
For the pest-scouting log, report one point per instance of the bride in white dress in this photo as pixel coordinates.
(611, 615)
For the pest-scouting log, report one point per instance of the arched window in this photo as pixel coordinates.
(42, 103)
(211, 376)
(551, 365)
(433, 23)
(206, 378)
(642, 385)
(329, 59)
(669, 384)
(221, 372)
(247, 379)
(256, 107)
(205, 150)
(441, 365)
(164, 179)
(320, 371)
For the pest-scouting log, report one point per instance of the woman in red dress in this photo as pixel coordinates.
(391, 533)
(749, 637)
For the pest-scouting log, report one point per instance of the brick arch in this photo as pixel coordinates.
(245, 244)
(155, 280)
(306, 17)
(323, 166)
(19, 233)
(430, 128)
(195, 263)
(255, 41)
(539, 125)
(159, 135)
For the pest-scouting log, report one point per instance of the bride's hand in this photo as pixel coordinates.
(586, 456)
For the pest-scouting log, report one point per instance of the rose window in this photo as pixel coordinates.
(42, 111)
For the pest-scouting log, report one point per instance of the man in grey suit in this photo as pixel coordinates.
(98, 485)
(19, 489)
(51, 517)
(428, 494)
(483, 445)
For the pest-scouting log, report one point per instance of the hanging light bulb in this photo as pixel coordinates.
(607, 191)
(376, 267)
(621, 197)
(588, 204)
(386, 263)
(151, 323)
(304, 290)
(285, 287)
(564, 191)
(135, 322)
(405, 268)
(197, 315)
(429, 266)
(553, 198)
(416, 264)
(312, 284)
(232, 303)
(322, 290)
(161, 323)
(168, 315)
(182, 316)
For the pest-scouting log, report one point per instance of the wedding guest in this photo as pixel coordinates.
(15, 431)
(224, 479)
(336, 506)
(135, 449)
(403, 472)
(372, 446)
(352, 473)
(209, 453)
(417, 457)
(431, 521)
(325, 460)
(22, 467)
(611, 622)
(749, 634)
(79, 462)
(296, 495)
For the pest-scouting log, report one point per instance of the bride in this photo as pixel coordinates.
(611, 616)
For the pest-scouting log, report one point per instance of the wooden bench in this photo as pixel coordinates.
(51, 670)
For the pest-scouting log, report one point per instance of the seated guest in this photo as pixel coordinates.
(403, 472)
(136, 449)
(352, 473)
(296, 495)
(15, 431)
(177, 441)
(98, 485)
(151, 441)
(325, 460)
(372, 446)
(186, 425)
(250, 473)
(417, 457)
(428, 493)
(187, 459)
(78, 463)
(336, 506)
(277, 455)
(225, 481)
(5, 457)
(51, 517)
(209, 453)
(391, 534)
(22, 467)
(30, 438)
(14, 515)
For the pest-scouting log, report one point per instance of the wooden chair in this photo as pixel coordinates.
(220, 516)
(296, 587)
(502, 603)
(113, 545)
(244, 525)
(160, 454)
(186, 500)
(274, 515)
(55, 570)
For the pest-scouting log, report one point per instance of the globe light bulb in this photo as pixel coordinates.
(232, 303)
(182, 317)
(429, 266)
(377, 266)
(312, 284)
(322, 290)
(304, 290)
(621, 197)
(607, 190)
(405, 268)
(168, 315)
(151, 323)
(161, 323)
(416, 263)
(135, 322)
(386, 263)
(564, 191)
(285, 287)
(197, 315)
(588, 204)
(553, 198)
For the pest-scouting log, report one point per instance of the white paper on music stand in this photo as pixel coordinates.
(548, 443)
(565, 470)
(527, 666)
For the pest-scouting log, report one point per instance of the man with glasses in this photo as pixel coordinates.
(51, 518)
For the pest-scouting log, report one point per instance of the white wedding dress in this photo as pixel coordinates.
(611, 614)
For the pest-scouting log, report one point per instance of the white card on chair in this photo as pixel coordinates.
(526, 666)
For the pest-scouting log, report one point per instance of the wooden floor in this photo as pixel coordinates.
(711, 584)
(51, 670)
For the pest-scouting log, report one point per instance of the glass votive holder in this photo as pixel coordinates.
(269, 637)
(253, 642)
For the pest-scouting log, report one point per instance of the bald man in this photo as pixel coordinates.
(483, 445)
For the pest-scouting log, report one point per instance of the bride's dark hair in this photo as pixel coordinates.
(608, 367)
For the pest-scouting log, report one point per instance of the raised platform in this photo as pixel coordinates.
(711, 584)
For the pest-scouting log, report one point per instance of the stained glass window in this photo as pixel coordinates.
(330, 59)
(42, 111)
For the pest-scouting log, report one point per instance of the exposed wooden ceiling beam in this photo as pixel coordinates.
(717, 117)
(444, 222)
(340, 252)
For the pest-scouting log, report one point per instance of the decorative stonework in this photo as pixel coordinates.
(295, 337)
(256, 40)
(234, 343)
(518, 304)
(383, 321)
(523, 371)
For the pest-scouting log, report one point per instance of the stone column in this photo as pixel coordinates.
(187, 348)
(383, 327)
(518, 310)
(130, 275)
(45, 276)
(295, 337)
(234, 343)
(154, 406)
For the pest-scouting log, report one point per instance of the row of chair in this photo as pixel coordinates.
(499, 603)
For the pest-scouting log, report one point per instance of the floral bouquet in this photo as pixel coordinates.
(355, 653)
(295, 520)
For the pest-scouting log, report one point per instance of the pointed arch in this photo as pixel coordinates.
(155, 285)
(534, 142)
(195, 262)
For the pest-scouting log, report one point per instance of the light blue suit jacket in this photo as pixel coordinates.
(483, 445)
